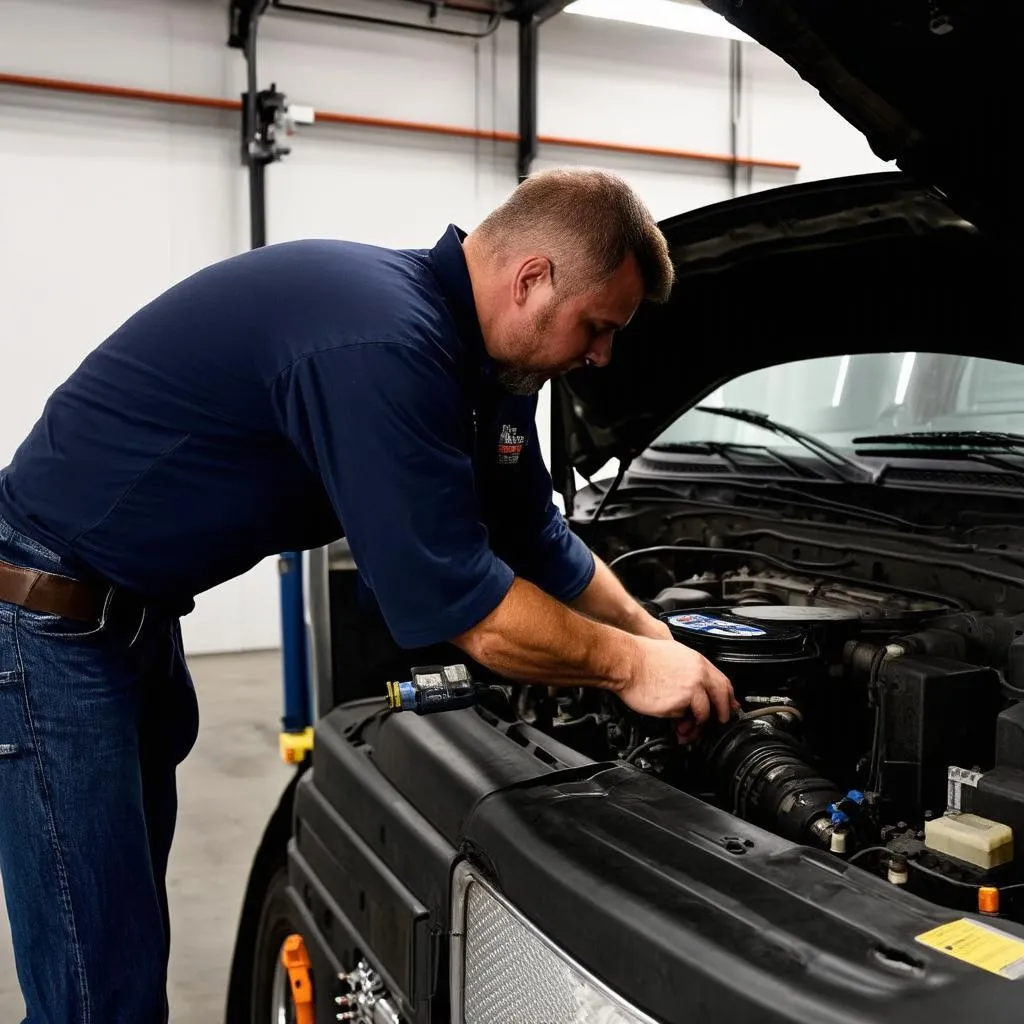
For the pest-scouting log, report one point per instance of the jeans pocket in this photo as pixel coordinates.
(12, 730)
(10, 663)
(59, 627)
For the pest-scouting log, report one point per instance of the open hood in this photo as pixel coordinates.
(853, 265)
(930, 83)
(871, 263)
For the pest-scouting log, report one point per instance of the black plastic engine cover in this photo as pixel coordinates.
(696, 917)
(444, 764)
(686, 911)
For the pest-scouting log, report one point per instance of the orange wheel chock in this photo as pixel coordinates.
(296, 962)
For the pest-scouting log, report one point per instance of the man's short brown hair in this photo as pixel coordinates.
(588, 221)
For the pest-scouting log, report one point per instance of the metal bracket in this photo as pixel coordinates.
(243, 15)
(270, 116)
(542, 10)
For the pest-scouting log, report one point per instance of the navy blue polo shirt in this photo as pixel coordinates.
(286, 397)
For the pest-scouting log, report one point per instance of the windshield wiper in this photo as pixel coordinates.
(825, 452)
(970, 445)
(949, 439)
(727, 450)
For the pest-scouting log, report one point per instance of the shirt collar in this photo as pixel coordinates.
(449, 263)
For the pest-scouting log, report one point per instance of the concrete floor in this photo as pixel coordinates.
(228, 787)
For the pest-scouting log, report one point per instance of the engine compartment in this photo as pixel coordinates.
(882, 725)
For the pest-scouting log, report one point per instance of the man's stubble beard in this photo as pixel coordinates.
(519, 380)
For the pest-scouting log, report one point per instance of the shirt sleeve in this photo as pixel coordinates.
(532, 535)
(387, 429)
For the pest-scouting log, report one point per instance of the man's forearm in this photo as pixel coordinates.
(532, 637)
(608, 601)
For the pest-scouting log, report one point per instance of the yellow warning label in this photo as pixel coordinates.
(980, 945)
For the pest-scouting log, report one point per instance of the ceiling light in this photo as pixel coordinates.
(680, 17)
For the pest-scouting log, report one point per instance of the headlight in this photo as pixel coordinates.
(505, 971)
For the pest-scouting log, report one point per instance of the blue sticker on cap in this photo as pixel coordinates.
(716, 627)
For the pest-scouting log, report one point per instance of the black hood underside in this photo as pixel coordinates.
(931, 84)
(871, 263)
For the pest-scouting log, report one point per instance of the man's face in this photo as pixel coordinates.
(547, 333)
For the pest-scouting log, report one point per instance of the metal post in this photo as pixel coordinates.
(260, 148)
(252, 156)
(735, 109)
(527, 148)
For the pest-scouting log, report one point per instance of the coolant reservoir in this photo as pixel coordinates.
(969, 837)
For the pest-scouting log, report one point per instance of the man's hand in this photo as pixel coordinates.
(670, 680)
(530, 637)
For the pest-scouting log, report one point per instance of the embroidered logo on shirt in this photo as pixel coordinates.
(510, 445)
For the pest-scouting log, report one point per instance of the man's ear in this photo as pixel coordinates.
(533, 273)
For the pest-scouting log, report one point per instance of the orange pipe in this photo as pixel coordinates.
(119, 93)
(678, 154)
(416, 126)
(217, 103)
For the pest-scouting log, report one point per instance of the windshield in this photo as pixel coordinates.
(837, 398)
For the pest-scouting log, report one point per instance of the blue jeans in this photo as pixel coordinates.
(94, 719)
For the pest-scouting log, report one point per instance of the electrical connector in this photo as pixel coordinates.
(434, 688)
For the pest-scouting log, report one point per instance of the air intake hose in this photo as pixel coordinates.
(760, 771)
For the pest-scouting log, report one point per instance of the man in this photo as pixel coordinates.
(275, 401)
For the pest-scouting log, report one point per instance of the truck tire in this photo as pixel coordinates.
(271, 995)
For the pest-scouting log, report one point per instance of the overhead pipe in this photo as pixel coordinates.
(493, 22)
(471, 6)
(466, 6)
(360, 120)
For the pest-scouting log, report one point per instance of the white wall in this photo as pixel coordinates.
(103, 203)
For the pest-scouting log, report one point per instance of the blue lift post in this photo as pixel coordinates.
(296, 737)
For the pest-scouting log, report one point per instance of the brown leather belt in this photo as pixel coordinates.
(51, 594)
